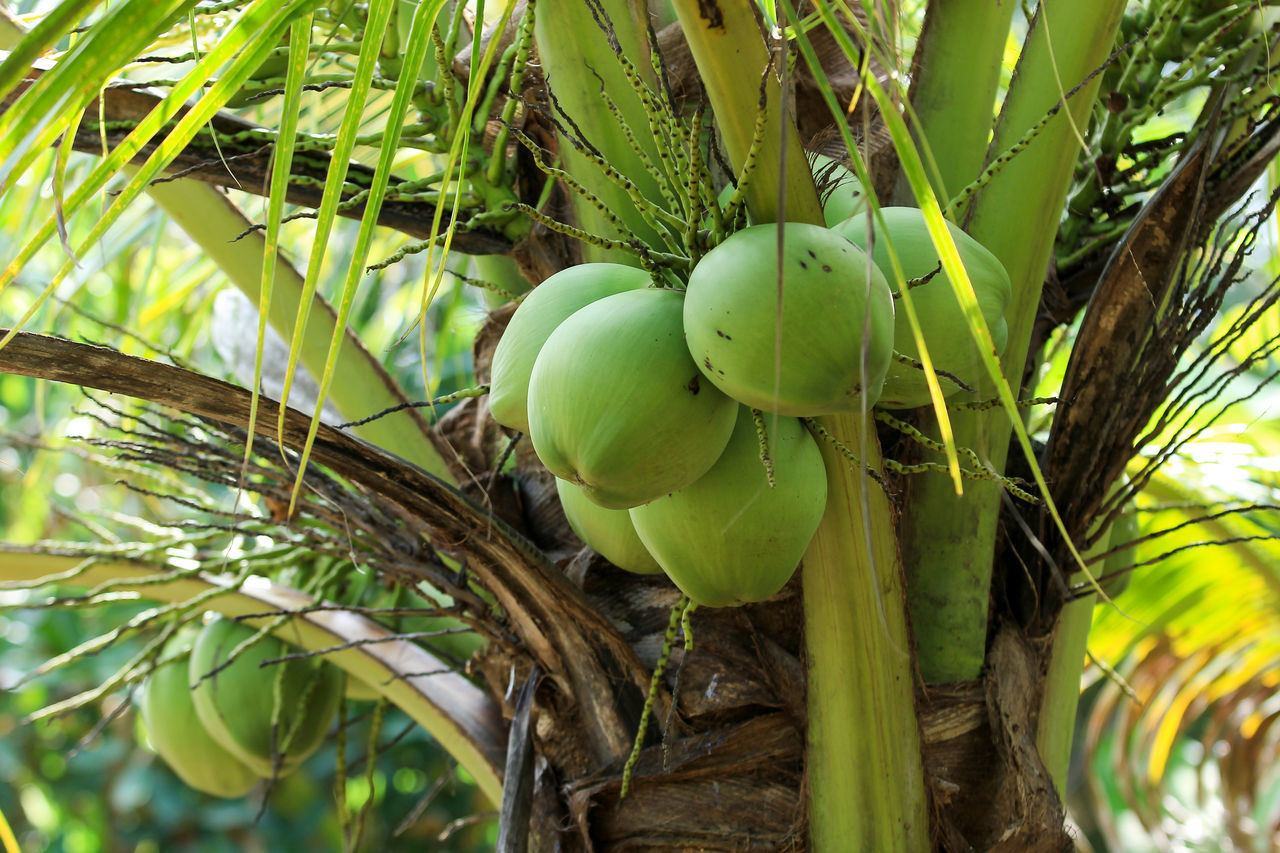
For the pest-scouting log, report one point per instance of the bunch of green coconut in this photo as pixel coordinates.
(672, 419)
(223, 720)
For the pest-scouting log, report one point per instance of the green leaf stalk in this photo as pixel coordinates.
(949, 540)
(864, 766)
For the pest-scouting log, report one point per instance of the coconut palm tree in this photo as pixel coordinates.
(915, 685)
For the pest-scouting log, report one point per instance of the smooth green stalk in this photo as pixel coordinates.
(361, 386)
(865, 774)
(866, 780)
(1061, 698)
(953, 90)
(582, 71)
(949, 540)
(1056, 725)
(456, 713)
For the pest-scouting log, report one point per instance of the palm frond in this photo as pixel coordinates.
(1180, 736)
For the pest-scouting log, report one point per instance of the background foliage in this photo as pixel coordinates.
(84, 783)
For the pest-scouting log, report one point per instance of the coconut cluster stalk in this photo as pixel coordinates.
(866, 780)
(954, 82)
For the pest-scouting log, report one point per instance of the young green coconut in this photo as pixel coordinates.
(237, 705)
(545, 308)
(838, 187)
(819, 346)
(729, 538)
(178, 736)
(609, 532)
(942, 321)
(617, 406)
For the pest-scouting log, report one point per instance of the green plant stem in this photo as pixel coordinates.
(582, 70)
(458, 714)
(1056, 725)
(866, 780)
(361, 386)
(953, 88)
(864, 766)
(1061, 699)
(949, 540)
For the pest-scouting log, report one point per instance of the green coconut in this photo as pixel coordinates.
(549, 305)
(175, 731)
(609, 532)
(834, 321)
(942, 321)
(617, 406)
(729, 538)
(838, 188)
(237, 704)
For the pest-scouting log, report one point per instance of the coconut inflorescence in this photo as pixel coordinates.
(838, 188)
(673, 419)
